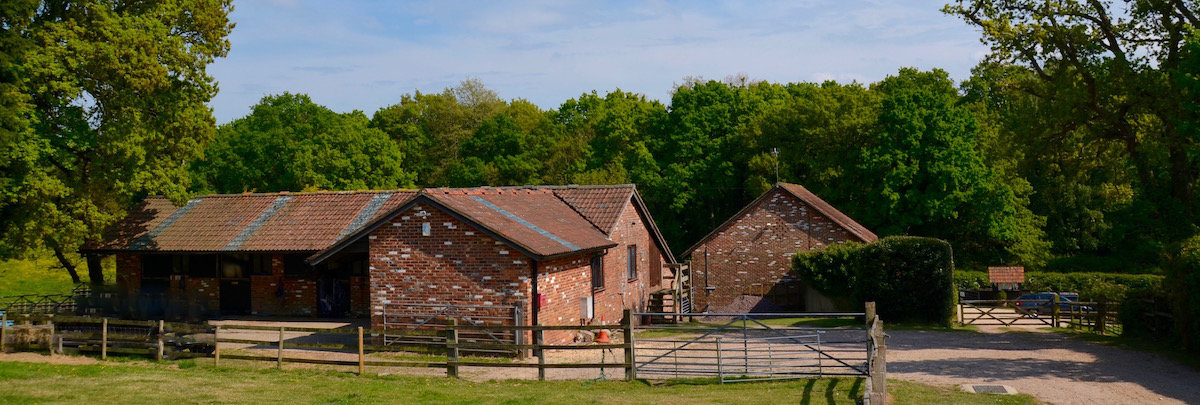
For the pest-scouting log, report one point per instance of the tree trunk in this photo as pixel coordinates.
(95, 270)
(66, 263)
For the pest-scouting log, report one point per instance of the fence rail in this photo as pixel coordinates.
(1097, 316)
(761, 352)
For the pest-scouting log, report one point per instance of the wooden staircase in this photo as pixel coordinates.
(674, 299)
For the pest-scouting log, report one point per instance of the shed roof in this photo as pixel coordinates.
(1006, 275)
(543, 221)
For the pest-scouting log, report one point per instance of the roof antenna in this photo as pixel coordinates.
(775, 152)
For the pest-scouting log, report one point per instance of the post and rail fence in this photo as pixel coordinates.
(754, 352)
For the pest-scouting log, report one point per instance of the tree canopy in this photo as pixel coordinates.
(103, 102)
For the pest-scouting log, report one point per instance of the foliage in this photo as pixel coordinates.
(909, 278)
(290, 143)
(965, 280)
(103, 102)
(1091, 286)
(1092, 102)
(1183, 282)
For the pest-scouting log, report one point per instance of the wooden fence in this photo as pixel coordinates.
(1096, 316)
(349, 346)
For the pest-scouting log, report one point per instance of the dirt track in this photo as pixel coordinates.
(1052, 367)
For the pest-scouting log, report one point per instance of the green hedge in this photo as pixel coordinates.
(966, 280)
(1183, 290)
(1091, 286)
(909, 278)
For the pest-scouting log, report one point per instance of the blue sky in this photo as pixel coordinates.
(365, 55)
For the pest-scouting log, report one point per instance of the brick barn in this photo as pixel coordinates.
(745, 263)
(545, 250)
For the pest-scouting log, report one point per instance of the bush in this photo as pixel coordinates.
(909, 278)
(971, 280)
(1091, 286)
(1183, 288)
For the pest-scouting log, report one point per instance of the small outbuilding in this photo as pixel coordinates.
(1006, 278)
(745, 264)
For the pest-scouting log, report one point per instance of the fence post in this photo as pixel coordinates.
(3, 328)
(1101, 315)
(452, 349)
(217, 346)
(279, 360)
(361, 366)
(627, 331)
(104, 339)
(879, 372)
(1054, 310)
(158, 356)
(538, 341)
(870, 312)
(50, 342)
(720, 370)
(961, 318)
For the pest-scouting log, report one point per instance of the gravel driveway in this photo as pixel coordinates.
(1052, 367)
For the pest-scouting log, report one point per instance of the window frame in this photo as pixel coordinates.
(631, 263)
(597, 267)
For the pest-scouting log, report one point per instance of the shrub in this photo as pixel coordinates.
(1091, 286)
(909, 278)
(1183, 285)
(971, 280)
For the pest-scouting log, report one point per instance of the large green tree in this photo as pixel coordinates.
(1107, 81)
(103, 102)
(290, 143)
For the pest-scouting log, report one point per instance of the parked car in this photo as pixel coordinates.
(1040, 303)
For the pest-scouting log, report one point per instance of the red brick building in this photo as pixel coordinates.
(545, 250)
(745, 263)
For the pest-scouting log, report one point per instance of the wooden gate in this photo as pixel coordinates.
(422, 324)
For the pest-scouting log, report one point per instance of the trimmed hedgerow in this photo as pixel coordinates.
(1091, 286)
(966, 280)
(909, 278)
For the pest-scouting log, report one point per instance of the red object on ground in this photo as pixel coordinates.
(602, 337)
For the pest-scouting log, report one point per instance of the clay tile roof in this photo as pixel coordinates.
(1006, 275)
(533, 219)
(248, 222)
(600, 205)
(545, 221)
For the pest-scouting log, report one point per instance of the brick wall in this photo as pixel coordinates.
(753, 255)
(564, 282)
(360, 296)
(619, 291)
(298, 298)
(455, 264)
(204, 296)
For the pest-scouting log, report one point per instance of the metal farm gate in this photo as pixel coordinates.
(423, 325)
(748, 347)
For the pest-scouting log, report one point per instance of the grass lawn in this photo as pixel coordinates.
(42, 276)
(187, 382)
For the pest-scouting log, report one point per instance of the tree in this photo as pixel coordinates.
(103, 102)
(432, 127)
(290, 143)
(921, 172)
(1109, 76)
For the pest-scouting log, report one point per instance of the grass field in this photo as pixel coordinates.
(42, 276)
(187, 382)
